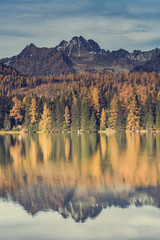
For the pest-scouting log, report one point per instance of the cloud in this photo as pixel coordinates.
(113, 24)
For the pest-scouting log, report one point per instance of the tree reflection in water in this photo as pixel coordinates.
(80, 175)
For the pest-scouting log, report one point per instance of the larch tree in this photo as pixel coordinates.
(133, 119)
(67, 118)
(103, 122)
(15, 112)
(95, 100)
(33, 111)
(45, 122)
(113, 114)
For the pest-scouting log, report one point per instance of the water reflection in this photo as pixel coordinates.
(79, 175)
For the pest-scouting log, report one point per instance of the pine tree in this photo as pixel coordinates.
(75, 114)
(85, 115)
(133, 119)
(147, 114)
(45, 122)
(1, 112)
(7, 123)
(16, 110)
(120, 124)
(93, 123)
(59, 114)
(150, 120)
(26, 123)
(26, 104)
(103, 121)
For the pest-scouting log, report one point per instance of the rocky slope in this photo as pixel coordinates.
(40, 61)
(152, 65)
(81, 55)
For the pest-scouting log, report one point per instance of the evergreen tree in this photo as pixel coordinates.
(120, 125)
(75, 114)
(158, 114)
(59, 114)
(67, 120)
(147, 117)
(85, 115)
(1, 112)
(26, 120)
(7, 123)
(150, 120)
(26, 103)
(53, 116)
(93, 123)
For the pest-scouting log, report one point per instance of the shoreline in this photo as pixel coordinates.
(21, 132)
(3, 132)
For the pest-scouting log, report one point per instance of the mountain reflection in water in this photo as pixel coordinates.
(80, 175)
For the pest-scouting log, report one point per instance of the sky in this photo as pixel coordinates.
(113, 24)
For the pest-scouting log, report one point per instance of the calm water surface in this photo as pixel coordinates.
(86, 186)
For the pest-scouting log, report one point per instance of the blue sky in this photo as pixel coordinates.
(114, 24)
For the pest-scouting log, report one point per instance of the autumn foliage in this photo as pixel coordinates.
(88, 101)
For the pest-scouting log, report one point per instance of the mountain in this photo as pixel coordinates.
(153, 65)
(40, 61)
(81, 55)
(6, 71)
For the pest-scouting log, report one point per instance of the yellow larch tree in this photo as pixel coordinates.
(113, 113)
(45, 122)
(93, 97)
(67, 117)
(33, 111)
(103, 120)
(133, 119)
(16, 110)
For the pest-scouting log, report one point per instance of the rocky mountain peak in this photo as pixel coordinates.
(81, 55)
(78, 47)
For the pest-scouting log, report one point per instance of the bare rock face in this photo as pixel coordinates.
(78, 47)
(152, 65)
(81, 55)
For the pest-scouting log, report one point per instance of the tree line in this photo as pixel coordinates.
(88, 102)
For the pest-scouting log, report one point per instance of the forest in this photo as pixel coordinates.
(85, 102)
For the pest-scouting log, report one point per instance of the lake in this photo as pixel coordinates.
(87, 186)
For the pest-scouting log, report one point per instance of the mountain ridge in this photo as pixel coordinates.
(78, 56)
